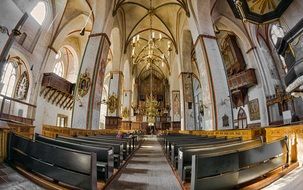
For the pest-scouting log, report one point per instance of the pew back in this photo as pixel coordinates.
(71, 167)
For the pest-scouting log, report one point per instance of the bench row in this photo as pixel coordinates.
(86, 158)
(221, 163)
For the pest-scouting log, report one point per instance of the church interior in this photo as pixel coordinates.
(151, 94)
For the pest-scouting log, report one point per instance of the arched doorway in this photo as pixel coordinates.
(242, 119)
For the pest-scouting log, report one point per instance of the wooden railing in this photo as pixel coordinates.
(244, 79)
(10, 107)
(51, 80)
(53, 131)
(246, 134)
(57, 91)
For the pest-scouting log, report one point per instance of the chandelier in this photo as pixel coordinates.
(152, 44)
(151, 104)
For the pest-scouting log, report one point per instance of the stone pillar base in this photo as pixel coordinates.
(126, 125)
(112, 122)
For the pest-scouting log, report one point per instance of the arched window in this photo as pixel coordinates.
(8, 79)
(59, 69)
(39, 12)
(242, 119)
(277, 32)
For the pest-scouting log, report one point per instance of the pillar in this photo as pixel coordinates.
(86, 110)
(187, 105)
(215, 90)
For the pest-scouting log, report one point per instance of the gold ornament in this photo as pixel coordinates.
(112, 103)
(125, 112)
(84, 84)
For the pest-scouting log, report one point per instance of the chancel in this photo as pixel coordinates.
(151, 94)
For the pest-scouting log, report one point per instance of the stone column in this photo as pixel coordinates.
(187, 105)
(113, 118)
(86, 110)
(216, 94)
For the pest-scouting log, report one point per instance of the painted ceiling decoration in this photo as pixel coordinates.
(259, 11)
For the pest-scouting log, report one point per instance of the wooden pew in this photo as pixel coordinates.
(127, 143)
(185, 154)
(199, 144)
(170, 140)
(117, 147)
(230, 168)
(134, 139)
(67, 166)
(105, 160)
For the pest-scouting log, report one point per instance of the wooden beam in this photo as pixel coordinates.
(46, 93)
(51, 95)
(58, 94)
(60, 99)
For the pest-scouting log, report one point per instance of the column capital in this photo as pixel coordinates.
(100, 34)
(185, 73)
(117, 72)
(202, 37)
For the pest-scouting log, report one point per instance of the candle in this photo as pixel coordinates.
(160, 36)
(134, 40)
(153, 35)
(138, 37)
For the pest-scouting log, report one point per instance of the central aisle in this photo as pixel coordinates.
(147, 170)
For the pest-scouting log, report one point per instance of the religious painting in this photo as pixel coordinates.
(176, 105)
(254, 110)
(84, 84)
(22, 86)
(187, 87)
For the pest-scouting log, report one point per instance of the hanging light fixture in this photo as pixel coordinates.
(153, 40)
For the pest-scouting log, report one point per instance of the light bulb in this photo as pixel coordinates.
(153, 35)
(138, 37)
(57, 56)
(134, 40)
(160, 36)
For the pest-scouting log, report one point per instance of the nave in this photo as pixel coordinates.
(148, 169)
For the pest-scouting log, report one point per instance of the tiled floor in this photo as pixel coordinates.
(147, 170)
(11, 180)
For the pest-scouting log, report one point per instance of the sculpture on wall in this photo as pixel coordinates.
(22, 86)
(84, 84)
(112, 103)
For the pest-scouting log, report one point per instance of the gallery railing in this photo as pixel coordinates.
(15, 110)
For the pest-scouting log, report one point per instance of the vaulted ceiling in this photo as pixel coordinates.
(142, 17)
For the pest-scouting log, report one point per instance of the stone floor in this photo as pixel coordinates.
(11, 180)
(148, 169)
(293, 181)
